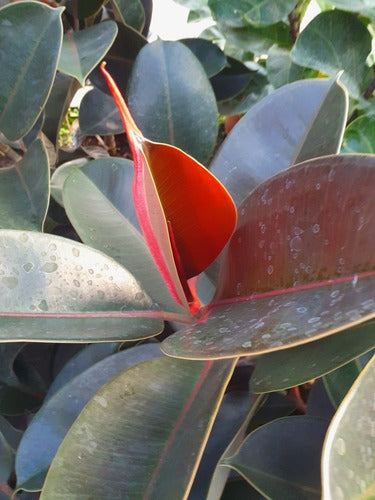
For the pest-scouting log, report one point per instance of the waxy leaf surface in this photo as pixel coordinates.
(169, 190)
(290, 367)
(284, 128)
(96, 200)
(348, 456)
(98, 114)
(131, 13)
(79, 55)
(282, 458)
(44, 435)
(323, 45)
(290, 273)
(238, 13)
(30, 61)
(127, 457)
(24, 190)
(183, 114)
(54, 289)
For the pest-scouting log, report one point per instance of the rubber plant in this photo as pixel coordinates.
(183, 284)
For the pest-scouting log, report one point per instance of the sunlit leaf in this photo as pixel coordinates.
(281, 130)
(365, 7)
(209, 55)
(358, 136)
(238, 13)
(338, 382)
(348, 457)
(282, 458)
(183, 115)
(54, 289)
(24, 190)
(98, 114)
(79, 55)
(131, 13)
(96, 200)
(143, 450)
(171, 186)
(323, 44)
(291, 367)
(60, 175)
(281, 70)
(50, 424)
(30, 61)
(290, 272)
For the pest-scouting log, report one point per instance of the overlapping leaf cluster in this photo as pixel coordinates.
(140, 392)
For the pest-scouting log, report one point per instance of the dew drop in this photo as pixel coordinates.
(316, 228)
(49, 267)
(340, 446)
(317, 186)
(314, 319)
(224, 330)
(75, 252)
(269, 270)
(139, 296)
(28, 266)
(297, 231)
(295, 244)
(76, 283)
(246, 344)
(301, 309)
(52, 247)
(43, 306)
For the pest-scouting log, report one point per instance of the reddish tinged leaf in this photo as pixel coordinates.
(172, 189)
(311, 223)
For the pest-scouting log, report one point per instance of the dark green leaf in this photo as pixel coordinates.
(291, 367)
(131, 13)
(82, 361)
(120, 59)
(49, 426)
(98, 114)
(62, 92)
(238, 13)
(209, 55)
(281, 69)
(6, 459)
(338, 382)
(282, 458)
(60, 175)
(24, 190)
(282, 129)
(318, 402)
(348, 457)
(365, 7)
(30, 61)
(54, 289)
(324, 43)
(82, 50)
(183, 115)
(96, 199)
(10, 433)
(358, 136)
(143, 450)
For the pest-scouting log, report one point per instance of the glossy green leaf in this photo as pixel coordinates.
(232, 412)
(120, 58)
(49, 426)
(318, 402)
(365, 7)
(82, 361)
(30, 61)
(62, 92)
(60, 175)
(54, 289)
(10, 433)
(290, 273)
(258, 40)
(98, 114)
(24, 190)
(231, 80)
(348, 456)
(358, 136)
(238, 13)
(94, 199)
(289, 234)
(209, 55)
(126, 457)
(323, 45)
(6, 459)
(131, 13)
(338, 382)
(82, 50)
(281, 69)
(161, 80)
(282, 129)
(282, 458)
(291, 367)
(86, 8)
